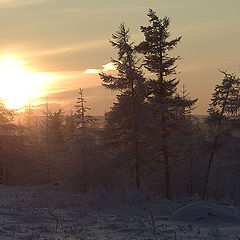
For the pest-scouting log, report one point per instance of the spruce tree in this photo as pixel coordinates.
(124, 120)
(223, 108)
(83, 120)
(167, 106)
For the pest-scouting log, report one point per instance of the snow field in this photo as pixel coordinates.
(47, 212)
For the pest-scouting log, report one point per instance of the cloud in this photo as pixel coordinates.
(105, 68)
(19, 3)
(109, 67)
(72, 48)
(92, 71)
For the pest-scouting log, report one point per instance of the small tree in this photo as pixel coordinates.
(70, 124)
(223, 107)
(6, 115)
(11, 141)
(56, 130)
(52, 140)
(83, 136)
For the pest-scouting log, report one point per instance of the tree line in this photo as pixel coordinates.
(149, 141)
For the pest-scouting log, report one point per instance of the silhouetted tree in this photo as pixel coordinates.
(70, 124)
(52, 140)
(167, 106)
(223, 107)
(83, 137)
(56, 127)
(123, 121)
(11, 141)
(6, 115)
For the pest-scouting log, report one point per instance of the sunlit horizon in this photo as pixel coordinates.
(43, 36)
(20, 85)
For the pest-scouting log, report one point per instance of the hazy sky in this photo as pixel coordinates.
(66, 37)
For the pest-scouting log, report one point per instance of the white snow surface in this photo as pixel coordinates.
(49, 212)
(204, 212)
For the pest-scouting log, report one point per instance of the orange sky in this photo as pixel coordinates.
(64, 38)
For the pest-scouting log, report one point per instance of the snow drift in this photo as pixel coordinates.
(207, 213)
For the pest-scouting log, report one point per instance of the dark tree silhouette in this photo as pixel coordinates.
(124, 118)
(224, 105)
(83, 136)
(168, 106)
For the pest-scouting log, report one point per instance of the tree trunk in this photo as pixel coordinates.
(136, 146)
(167, 173)
(216, 140)
(84, 167)
(210, 162)
(191, 164)
(191, 174)
(217, 180)
(137, 176)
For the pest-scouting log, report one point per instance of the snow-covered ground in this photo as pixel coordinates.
(49, 212)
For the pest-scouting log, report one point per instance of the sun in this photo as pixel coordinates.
(18, 84)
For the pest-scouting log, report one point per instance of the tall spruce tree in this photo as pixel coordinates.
(167, 106)
(224, 107)
(123, 121)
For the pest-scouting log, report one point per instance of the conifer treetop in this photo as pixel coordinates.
(83, 119)
(128, 71)
(225, 99)
(157, 45)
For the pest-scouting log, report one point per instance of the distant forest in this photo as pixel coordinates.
(148, 141)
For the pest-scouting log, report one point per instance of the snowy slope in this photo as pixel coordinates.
(47, 212)
(207, 213)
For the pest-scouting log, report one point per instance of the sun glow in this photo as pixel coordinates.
(18, 84)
